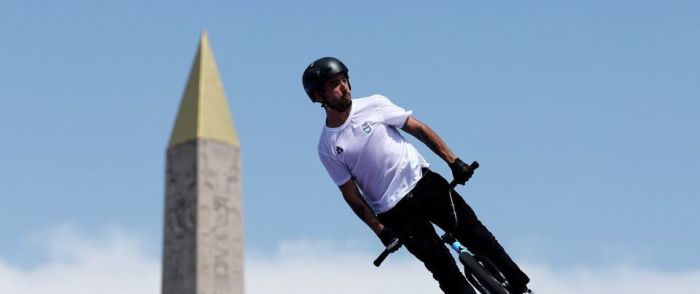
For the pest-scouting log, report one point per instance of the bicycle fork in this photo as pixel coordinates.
(476, 265)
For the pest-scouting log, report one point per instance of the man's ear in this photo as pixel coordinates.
(317, 97)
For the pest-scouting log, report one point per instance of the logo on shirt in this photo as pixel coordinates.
(366, 127)
(338, 150)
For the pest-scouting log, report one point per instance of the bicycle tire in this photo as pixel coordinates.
(485, 279)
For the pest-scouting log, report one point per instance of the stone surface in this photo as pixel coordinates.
(180, 227)
(203, 243)
(220, 216)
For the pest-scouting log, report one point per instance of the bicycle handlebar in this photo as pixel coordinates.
(377, 262)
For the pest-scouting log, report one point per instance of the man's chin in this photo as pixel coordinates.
(344, 103)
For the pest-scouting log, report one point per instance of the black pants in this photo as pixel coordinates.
(429, 202)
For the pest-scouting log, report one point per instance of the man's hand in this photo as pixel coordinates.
(461, 172)
(390, 239)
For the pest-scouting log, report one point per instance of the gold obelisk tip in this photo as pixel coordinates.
(203, 38)
(204, 112)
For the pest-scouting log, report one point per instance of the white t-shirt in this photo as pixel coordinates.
(369, 148)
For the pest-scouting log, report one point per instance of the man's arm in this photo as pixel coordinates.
(352, 196)
(431, 139)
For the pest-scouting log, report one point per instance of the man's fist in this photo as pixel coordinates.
(390, 240)
(461, 172)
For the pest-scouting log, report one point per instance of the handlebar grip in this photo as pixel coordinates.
(377, 262)
(395, 245)
(474, 165)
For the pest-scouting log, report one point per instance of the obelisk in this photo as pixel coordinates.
(203, 230)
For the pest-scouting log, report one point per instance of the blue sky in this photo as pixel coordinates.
(584, 115)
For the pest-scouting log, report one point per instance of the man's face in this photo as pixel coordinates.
(336, 90)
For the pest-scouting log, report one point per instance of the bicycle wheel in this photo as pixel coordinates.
(486, 281)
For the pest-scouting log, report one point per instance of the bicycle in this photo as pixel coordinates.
(480, 272)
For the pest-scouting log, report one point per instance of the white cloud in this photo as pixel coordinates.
(324, 267)
(316, 267)
(613, 280)
(111, 263)
(115, 262)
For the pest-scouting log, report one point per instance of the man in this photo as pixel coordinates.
(387, 183)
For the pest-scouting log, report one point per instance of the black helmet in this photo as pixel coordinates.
(319, 71)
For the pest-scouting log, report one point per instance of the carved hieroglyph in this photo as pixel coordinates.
(220, 238)
(203, 244)
(179, 246)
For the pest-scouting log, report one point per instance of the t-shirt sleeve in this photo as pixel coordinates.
(390, 113)
(336, 169)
